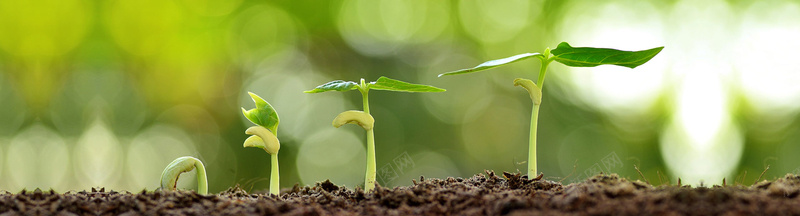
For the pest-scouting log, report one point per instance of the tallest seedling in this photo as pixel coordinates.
(569, 56)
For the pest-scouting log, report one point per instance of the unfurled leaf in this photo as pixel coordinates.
(337, 85)
(384, 83)
(494, 63)
(590, 56)
(263, 115)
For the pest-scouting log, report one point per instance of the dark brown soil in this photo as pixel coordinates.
(487, 194)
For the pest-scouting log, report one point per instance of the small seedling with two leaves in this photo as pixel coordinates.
(265, 135)
(569, 56)
(363, 118)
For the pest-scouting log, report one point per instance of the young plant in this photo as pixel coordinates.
(169, 177)
(264, 135)
(569, 56)
(363, 118)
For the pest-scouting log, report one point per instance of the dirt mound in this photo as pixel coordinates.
(487, 194)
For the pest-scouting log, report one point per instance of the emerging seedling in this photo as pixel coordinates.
(363, 118)
(264, 135)
(567, 55)
(169, 177)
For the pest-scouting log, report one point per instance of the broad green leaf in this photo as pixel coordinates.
(384, 83)
(590, 56)
(494, 63)
(337, 85)
(263, 115)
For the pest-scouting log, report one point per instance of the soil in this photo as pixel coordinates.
(489, 194)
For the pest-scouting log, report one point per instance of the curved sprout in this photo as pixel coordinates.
(169, 177)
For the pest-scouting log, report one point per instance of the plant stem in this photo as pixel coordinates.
(202, 179)
(274, 178)
(532, 142)
(535, 119)
(369, 178)
(543, 68)
(369, 182)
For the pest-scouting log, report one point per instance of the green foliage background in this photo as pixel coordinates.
(107, 93)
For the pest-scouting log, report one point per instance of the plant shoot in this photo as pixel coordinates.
(169, 177)
(569, 56)
(363, 118)
(265, 136)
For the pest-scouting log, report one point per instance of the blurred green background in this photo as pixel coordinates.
(107, 93)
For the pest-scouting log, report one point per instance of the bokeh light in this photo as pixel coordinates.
(501, 128)
(12, 112)
(384, 27)
(493, 22)
(46, 31)
(143, 34)
(98, 157)
(39, 147)
(259, 33)
(344, 153)
(768, 37)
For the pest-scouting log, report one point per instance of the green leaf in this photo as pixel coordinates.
(590, 56)
(263, 115)
(337, 85)
(494, 63)
(384, 83)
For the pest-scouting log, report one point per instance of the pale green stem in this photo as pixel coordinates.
(534, 121)
(369, 182)
(543, 70)
(369, 178)
(274, 178)
(532, 143)
(202, 179)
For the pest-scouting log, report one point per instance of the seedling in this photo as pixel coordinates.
(363, 118)
(169, 177)
(264, 135)
(569, 56)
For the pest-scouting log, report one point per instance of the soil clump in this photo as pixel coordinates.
(489, 194)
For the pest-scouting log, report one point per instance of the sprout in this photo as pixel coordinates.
(567, 55)
(169, 177)
(265, 135)
(363, 118)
